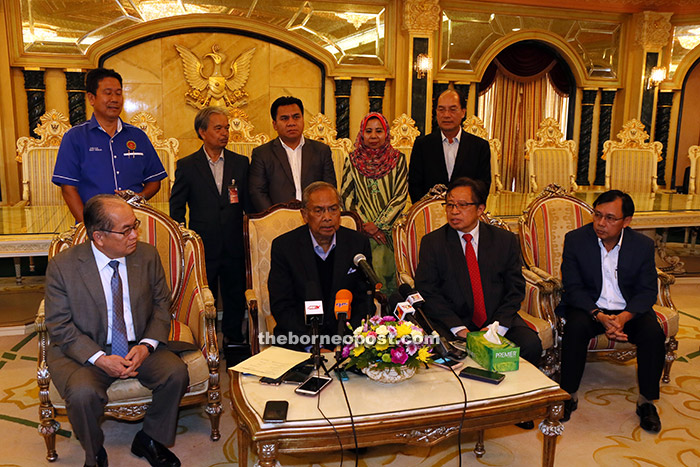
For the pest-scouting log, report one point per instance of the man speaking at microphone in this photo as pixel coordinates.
(469, 272)
(320, 252)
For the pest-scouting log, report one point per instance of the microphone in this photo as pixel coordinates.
(313, 306)
(361, 262)
(402, 309)
(343, 299)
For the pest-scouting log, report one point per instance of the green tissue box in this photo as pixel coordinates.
(504, 357)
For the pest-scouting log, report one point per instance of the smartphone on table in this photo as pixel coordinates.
(275, 411)
(479, 374)
(313, 385)
(447, 363)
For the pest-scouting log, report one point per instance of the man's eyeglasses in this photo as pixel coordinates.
(126, 231)
(318, 210)
(609, 218)
(461, 205)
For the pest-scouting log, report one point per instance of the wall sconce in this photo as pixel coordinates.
(423, 65)
(657, 75)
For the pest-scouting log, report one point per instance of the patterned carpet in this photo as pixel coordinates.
(603, 431)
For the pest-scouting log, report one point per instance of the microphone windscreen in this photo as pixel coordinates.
(359, 257)
(405, 290)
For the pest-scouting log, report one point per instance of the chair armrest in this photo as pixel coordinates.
(406, 279)
(665, 281)
(541, 297)
(43, 377)
(545, 275)
(253, 327)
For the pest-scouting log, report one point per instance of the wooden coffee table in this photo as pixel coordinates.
(421, 411)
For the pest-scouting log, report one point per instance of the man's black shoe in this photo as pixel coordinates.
(528, 425)
(569, 406)
(648, 417)
(100, 459)
(155, 453)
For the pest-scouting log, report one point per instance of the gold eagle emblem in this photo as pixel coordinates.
(215, 89)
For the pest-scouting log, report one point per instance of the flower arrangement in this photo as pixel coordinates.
(384, 343)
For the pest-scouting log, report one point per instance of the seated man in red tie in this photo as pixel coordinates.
(469, 273)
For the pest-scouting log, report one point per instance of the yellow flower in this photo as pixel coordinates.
(382, 343)
(423, 354)
(357, 351)
(382, 330)
(416, 335)
(402, 330)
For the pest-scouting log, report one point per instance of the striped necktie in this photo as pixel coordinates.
(120, 344)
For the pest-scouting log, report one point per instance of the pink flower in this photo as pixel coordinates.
(375, 320)
(411, 348)
(347, 349)
(388, 318)
(399, 355)
(392, 331)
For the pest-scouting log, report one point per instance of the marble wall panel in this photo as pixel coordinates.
(138, 64)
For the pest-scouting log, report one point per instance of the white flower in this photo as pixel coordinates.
(382, 330)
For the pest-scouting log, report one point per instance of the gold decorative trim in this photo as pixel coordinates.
(321, 129)
(51, 130)
(421, 16)
(149, 125)
(241, 129)
(475, 126)
(653, 30)
(403, 132)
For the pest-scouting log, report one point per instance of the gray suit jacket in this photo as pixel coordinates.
(270, 179)
(76, 310)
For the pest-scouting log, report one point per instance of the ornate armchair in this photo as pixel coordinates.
(427, 215)
(631, 164)
(404, 134)
(193, 319)
(259, 230)
(167, 150)
(321, 129)
(475, 126)
(542, 229)
(241, 138)
(550, 158)
(38, 158)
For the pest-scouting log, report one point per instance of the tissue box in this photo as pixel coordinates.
(504, 357)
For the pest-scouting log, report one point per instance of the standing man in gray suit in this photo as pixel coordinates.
(281, 169)
(107, 313)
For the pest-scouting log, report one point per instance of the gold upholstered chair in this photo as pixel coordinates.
(320, 128)
(166, 149)
(193, 320)
(550, 158)
(241, 138)
(259, 230)
(403, 135)
(631, 163)
(475, 126)
(427, 215)
(542, 229)
(38, 158)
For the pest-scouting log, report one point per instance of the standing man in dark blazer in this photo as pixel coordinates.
(470, 273)
(281, 169)
(214, 183)
(449, 153)
(318, 255)
(610, 286)
(108, 316)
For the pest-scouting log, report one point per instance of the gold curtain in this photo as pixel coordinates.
(512, 111)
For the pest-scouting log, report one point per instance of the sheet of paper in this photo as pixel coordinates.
(272, 362)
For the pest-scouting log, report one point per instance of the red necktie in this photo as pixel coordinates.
(479, 317)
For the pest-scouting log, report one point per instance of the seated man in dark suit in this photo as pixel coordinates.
(281, 169)
(107, 314)
(448, 153)
(610, 287)
(319, 254)
(470, 273)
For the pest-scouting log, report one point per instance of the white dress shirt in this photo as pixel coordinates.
(106, 273)
(610, 296)
(294, 157)
(450, 150)
(217, 168)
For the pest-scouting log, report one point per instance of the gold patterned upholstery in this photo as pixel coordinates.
(38, 158)
(475, 126)
(259, 230)
(166, 149)
(550, 158)
(193, 320)
(241, 139)
(404, 134)
(320, 128)
(427, 215)
(542, 229)
(693, 155)
(631, 164)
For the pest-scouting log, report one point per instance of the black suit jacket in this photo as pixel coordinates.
(293, 266)
(427, 167)
(583, 278)
(218, 222)
(271, 180)
(442, 278)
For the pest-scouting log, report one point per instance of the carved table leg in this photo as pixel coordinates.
(551, 428)
(243, 446)
(267, 454)
(479, 448)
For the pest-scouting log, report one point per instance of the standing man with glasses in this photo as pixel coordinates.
(470, 273)
(107, 313)
(450, 153)
(317, 258)
(610, 286)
